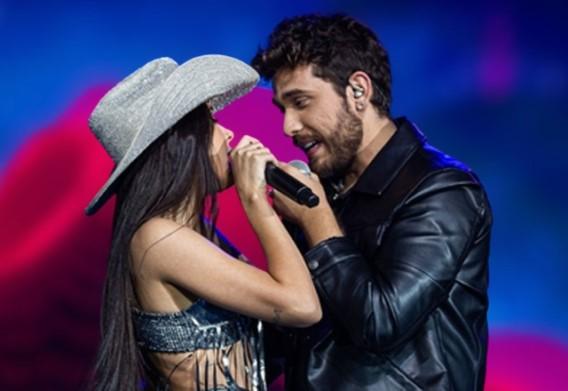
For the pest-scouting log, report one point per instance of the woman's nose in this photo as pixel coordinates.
(229, 135)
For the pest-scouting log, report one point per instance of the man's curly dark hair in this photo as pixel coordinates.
(336, 46)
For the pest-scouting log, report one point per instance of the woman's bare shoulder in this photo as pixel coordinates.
(159, 232)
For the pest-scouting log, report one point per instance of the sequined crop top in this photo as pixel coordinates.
(222, 350)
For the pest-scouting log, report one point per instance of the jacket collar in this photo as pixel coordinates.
(390, 159)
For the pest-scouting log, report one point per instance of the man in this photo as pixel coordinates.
(399, 249)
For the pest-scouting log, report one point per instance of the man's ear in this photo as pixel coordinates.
(359, 91)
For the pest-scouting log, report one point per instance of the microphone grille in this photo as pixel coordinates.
(300, 165)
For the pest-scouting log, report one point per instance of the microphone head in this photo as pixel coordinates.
(300, 165)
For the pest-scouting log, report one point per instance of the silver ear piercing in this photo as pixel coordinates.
(357, 91)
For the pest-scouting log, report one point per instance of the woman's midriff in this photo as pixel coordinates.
(204, 369)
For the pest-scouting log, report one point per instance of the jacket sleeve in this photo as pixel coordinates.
(381, 301)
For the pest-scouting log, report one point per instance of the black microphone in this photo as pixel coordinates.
(290, 186)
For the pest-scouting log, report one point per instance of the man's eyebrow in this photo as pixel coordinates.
(292, 93)
(288, 95)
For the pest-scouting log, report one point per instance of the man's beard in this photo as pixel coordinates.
(342, 143)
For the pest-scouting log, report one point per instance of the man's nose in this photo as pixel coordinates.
(292, 124)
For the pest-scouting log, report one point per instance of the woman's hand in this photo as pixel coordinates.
(248, 160)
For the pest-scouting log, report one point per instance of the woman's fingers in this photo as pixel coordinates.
(250, 157)
(249, 146)
(246, 141)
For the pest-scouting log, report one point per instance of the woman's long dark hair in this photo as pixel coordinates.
(174, 173)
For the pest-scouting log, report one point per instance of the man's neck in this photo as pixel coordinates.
(377, 136)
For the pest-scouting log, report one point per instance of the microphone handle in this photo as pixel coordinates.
(290, 186)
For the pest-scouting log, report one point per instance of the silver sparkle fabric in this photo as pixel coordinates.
(206, 327)
(139, 109)
(214, 331)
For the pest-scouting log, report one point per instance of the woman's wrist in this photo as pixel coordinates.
(255, 202)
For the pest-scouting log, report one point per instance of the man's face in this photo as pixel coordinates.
(318, 120)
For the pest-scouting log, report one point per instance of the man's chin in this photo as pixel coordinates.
(314, 167)
(330, 169)
(321, 170)
(322, 164)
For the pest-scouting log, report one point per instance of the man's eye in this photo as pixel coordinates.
(301, 103)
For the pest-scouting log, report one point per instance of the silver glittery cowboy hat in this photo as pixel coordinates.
(144, 105)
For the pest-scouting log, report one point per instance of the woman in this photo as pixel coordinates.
(178, 298)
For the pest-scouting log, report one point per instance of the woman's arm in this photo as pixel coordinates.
(283, 295)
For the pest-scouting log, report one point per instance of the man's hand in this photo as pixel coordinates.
(318, 223)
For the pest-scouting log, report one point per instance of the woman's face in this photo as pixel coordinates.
(219, 152)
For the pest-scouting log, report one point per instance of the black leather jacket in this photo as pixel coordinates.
(405, 292)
